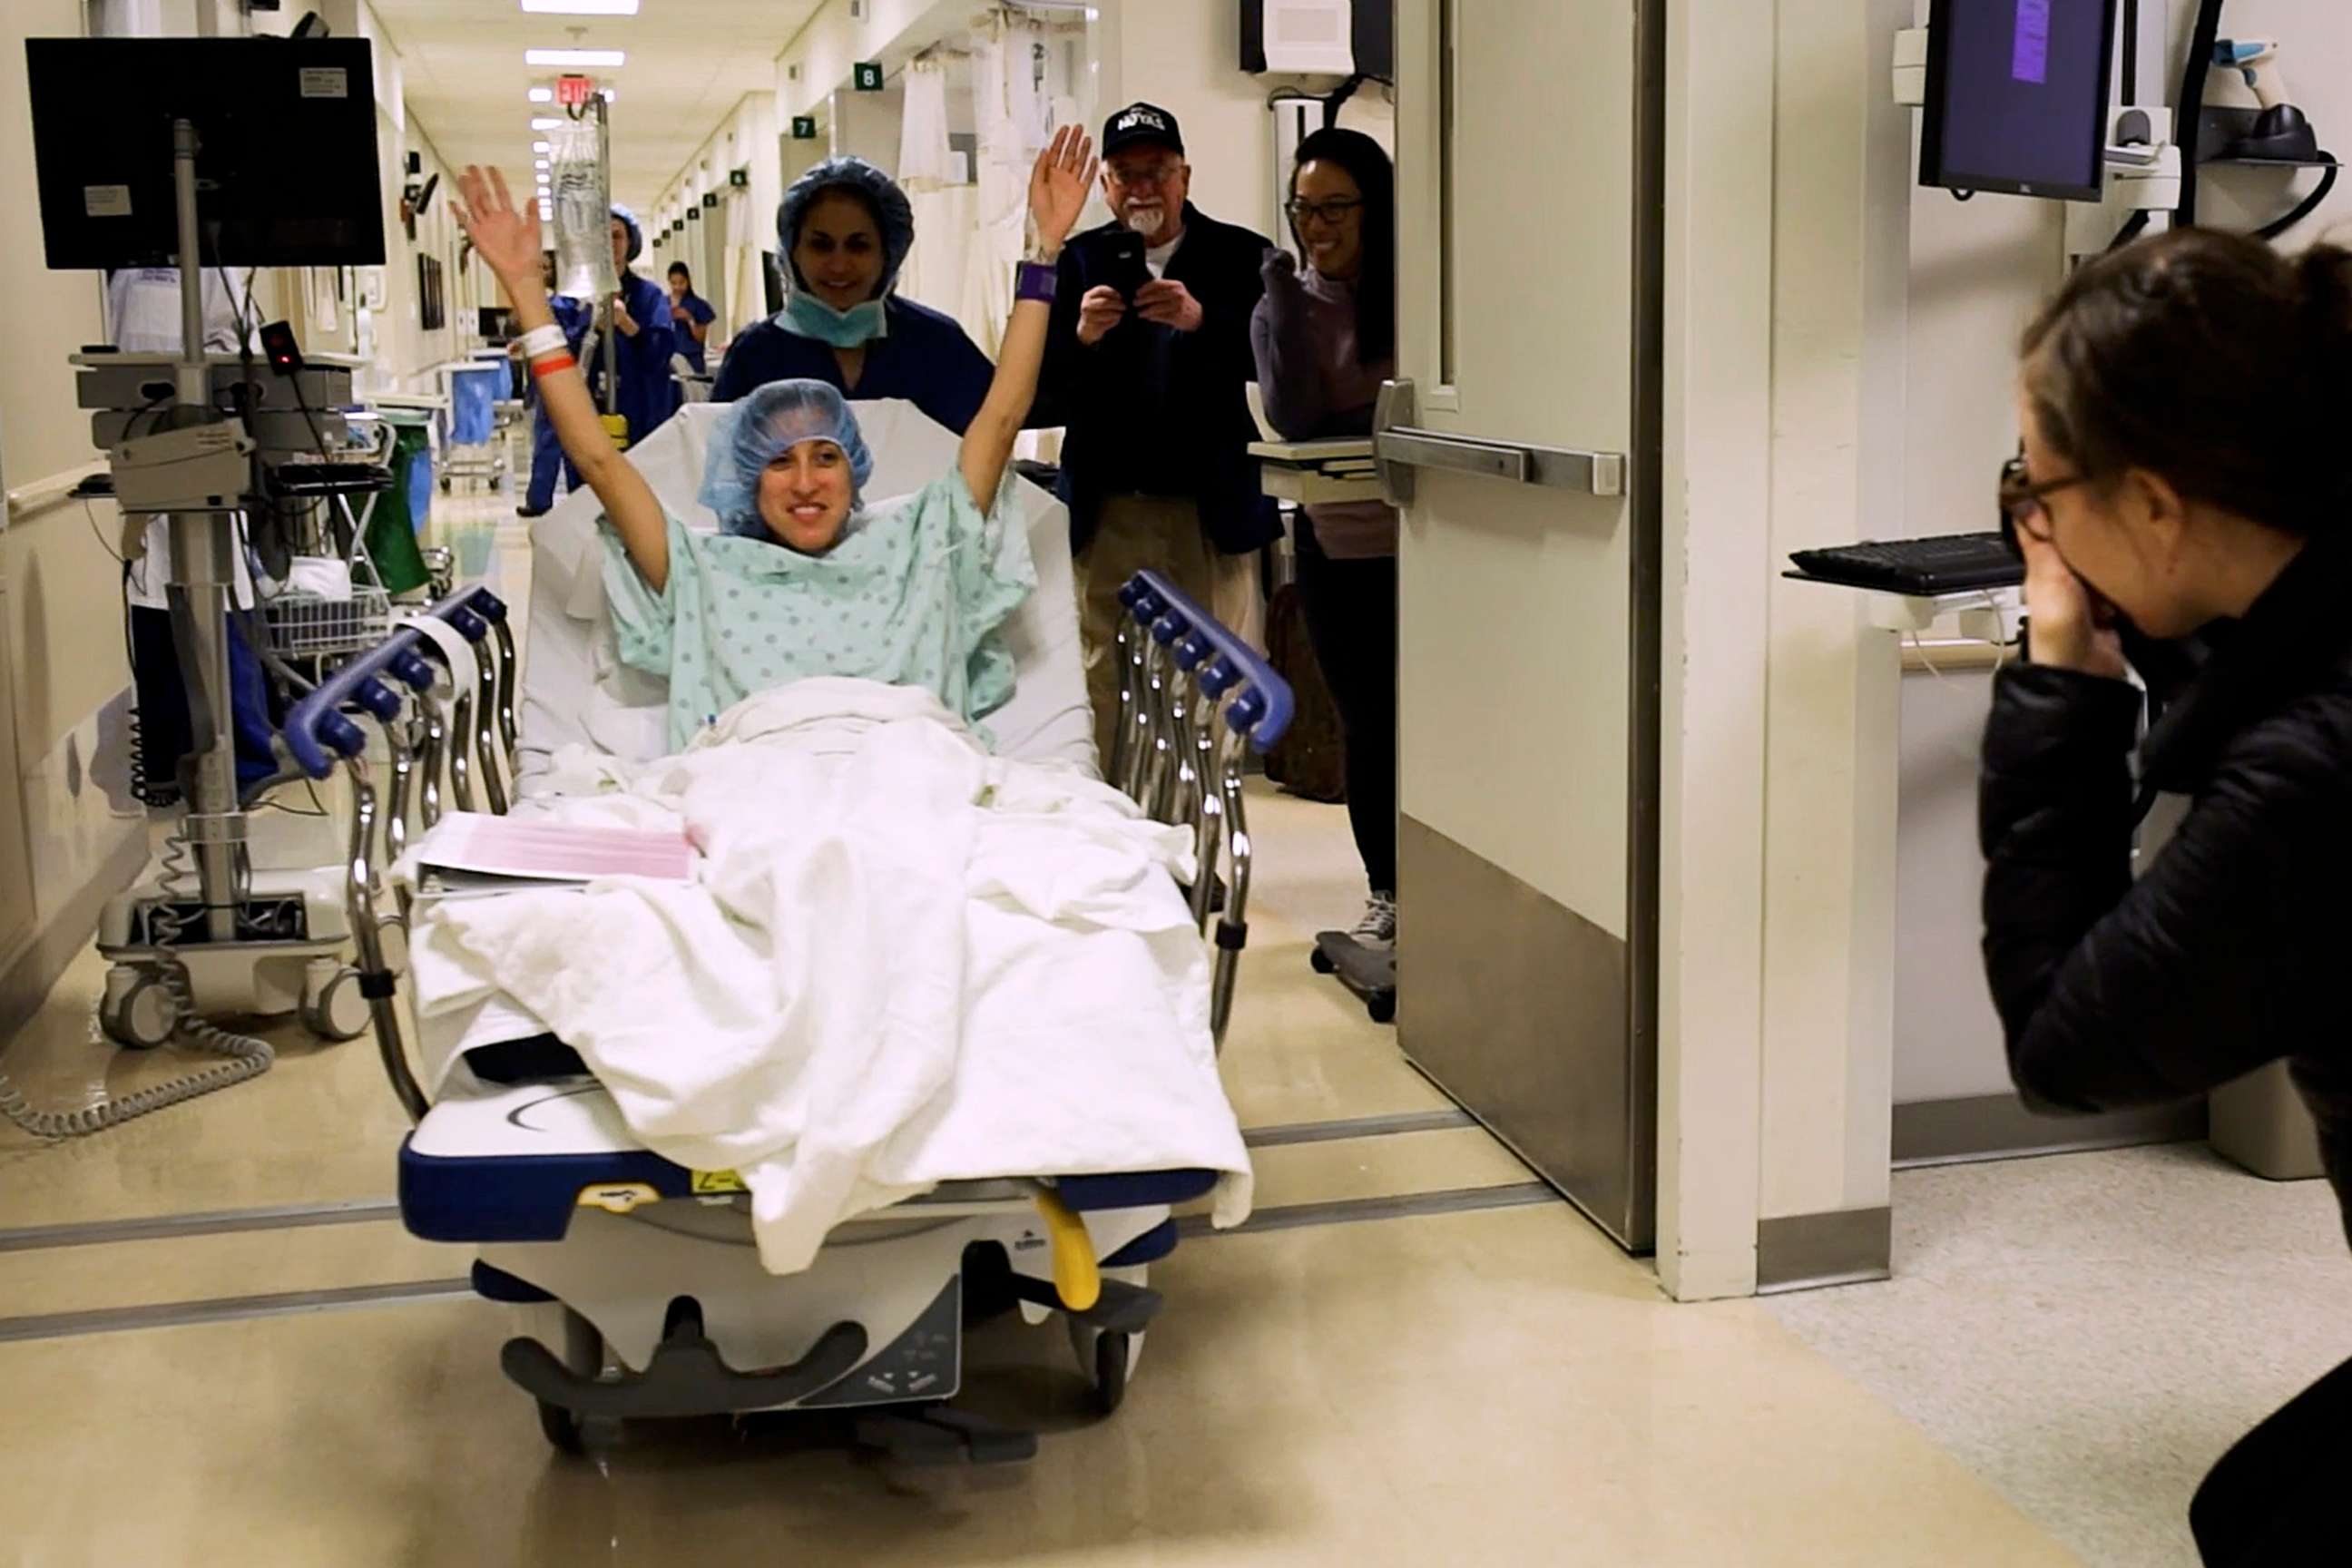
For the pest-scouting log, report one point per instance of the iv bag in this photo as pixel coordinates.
(582, 187)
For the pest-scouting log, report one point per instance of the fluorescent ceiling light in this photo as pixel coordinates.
(581, 7)
(540, 148)
(611, 58)
(545, 123)
(540, 164)
(542, 95)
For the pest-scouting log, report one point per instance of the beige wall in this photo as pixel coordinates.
(406, 353)
(1183, 54)
(59, 589)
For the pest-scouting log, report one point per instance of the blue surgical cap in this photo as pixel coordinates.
(636, 230)
(761, 428)
(892, 213)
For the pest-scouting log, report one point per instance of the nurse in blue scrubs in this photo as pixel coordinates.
(691, 314)
(846, 229)
(642, 338)
(546, 453)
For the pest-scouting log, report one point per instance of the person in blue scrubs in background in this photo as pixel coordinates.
(690, 316)
(547, 453)
(846, 229)
(642, 338)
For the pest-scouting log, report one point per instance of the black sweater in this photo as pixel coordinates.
(1155, 411)
(2231, 950)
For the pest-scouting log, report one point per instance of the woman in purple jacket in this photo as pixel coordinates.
(1325, 339)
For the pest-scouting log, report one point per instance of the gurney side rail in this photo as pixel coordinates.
(1193, 698)
(322, 730)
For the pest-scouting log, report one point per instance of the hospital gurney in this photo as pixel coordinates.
(640, 1291)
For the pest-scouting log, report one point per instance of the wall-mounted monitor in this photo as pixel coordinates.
(2017, 97)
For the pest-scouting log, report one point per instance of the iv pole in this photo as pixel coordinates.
(203, 577)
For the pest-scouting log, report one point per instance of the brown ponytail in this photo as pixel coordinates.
(2209, 359)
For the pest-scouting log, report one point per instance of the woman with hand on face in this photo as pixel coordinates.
(801, 580)
(846, 229)
(2185, 476)
(1326, 338)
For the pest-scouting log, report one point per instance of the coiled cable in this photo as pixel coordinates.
(242, 1055)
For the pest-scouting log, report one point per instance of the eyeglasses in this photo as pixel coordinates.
(1135, 178)
(1321, 211)
(2022, 501)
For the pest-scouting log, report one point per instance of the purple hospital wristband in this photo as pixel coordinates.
(1034, 280)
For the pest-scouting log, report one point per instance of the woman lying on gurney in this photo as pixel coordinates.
(800, 583)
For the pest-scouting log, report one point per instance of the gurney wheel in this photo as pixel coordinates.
(1110, 1372)
(1105, 1357)
(583, 1353)
(562, 1429)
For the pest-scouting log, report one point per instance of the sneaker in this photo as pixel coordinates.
(1378, 928)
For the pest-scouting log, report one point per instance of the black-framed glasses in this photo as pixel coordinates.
(1138, 176)
(1334, 212)
(2024, 503)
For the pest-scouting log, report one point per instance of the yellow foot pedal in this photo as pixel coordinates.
(1078, 1278)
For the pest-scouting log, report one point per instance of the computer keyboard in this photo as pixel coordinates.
(1954, 564)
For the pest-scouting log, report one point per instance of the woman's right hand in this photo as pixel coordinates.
(507, 239)
(2064, 615)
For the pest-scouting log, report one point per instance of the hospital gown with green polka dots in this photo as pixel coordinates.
(915, 594)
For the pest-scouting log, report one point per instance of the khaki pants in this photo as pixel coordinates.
(1137, 533)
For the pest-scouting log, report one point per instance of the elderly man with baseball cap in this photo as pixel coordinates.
(1148, 365)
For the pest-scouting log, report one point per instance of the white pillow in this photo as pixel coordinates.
(576, 690)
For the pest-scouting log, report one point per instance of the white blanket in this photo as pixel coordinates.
(905, 962)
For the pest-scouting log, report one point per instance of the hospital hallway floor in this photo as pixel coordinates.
(219, 1343)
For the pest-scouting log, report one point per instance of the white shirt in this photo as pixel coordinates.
(142, 308)
(1157, 257)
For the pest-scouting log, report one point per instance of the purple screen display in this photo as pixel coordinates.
(2029, 55)
(2022, 92)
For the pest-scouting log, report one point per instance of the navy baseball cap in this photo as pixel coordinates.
(1138, 124)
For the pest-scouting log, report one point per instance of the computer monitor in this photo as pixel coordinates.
(287, 168)
(2017, 96)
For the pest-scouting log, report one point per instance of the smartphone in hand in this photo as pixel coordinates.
(1127, 270)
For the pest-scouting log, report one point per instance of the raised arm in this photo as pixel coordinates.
(508, 239)
(1057, 194)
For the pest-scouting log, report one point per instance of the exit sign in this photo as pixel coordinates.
(869, 76)
(803, 127)
(574, 91)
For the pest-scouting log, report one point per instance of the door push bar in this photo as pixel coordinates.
(1402, 447)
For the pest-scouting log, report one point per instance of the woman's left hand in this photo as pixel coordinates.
(2067, 623)
(1060, 183)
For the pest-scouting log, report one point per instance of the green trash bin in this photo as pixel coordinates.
(401, 513)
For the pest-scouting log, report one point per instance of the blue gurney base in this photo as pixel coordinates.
(1368, 972)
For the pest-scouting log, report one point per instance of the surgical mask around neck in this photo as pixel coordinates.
(811, 317)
